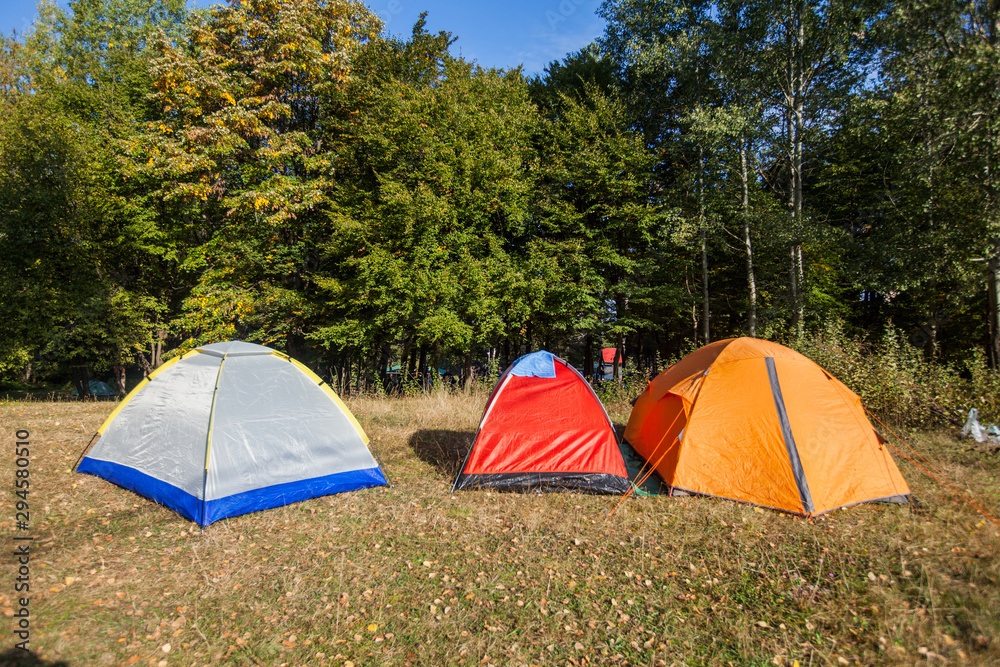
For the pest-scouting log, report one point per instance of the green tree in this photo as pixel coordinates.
(243, 160)
(573, 76)
(814, 56)
(938, 107)
(598, 218)
(780, 71)
(433, 209)
(665, 61)
(81, 261)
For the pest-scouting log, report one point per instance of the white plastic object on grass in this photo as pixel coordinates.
(973, 429)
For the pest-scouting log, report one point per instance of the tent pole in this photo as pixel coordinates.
(208, 445)
(85, 450)
(381, 467)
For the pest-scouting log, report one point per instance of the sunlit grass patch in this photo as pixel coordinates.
(411, 574)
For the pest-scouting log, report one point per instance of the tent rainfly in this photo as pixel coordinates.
(544, 429)
(754, 421)
(231, 428)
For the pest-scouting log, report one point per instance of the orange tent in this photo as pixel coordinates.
(756, 422)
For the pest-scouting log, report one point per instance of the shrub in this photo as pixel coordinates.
(897, 383)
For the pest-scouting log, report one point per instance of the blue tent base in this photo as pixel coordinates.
(205, 513)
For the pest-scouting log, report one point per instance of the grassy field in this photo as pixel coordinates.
(412, 575)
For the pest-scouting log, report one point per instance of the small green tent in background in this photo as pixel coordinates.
(636, 466)
(99, 389)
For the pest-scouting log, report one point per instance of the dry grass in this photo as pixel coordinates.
(412, 575)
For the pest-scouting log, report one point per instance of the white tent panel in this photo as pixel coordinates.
(148, 435)
(274, 425)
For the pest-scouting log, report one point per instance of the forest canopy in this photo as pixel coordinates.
(283, 172)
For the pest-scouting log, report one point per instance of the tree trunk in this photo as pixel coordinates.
(694, 306)
(404, 360)
(422, 370)
(119, 372)
(619, 357)
(931, 327)
(794, 126)
(295, 345)
(383, 365)
(467, 371)
(795, 277)
(656, 353)
(993, 265)
(81, 378)
(345, 382)
(527, 338)
(751, 280)
(798, 122)
(705, 303)
(694, 322)
(156, 359)
(800, 316)
(588, 357)
(411, 363)
(930, 185)
(147, 367)
(506, 355)
(404, 351)
(994, 305)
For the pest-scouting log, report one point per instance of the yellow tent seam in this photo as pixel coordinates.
(208, 441)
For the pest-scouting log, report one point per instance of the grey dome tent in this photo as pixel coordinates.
(231, 428)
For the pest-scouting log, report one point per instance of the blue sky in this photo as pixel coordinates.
(506, 34)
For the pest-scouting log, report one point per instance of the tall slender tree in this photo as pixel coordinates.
(666, 63)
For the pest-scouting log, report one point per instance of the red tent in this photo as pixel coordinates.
(544, 429)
